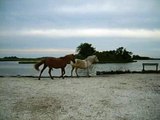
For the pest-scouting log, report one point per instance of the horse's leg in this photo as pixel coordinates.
(44, 67)
(88, 71)
(72, 71)
(63, 72)
(50, 73)
(76, 72)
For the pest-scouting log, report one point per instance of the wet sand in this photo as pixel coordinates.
(110, 97)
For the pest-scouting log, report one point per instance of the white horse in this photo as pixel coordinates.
(83, 64)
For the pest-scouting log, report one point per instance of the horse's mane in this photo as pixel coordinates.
(92, 56)
(61, 57)
(65, 56)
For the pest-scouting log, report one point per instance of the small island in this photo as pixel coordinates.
(120, 55)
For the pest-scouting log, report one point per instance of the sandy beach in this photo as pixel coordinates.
(110, 97)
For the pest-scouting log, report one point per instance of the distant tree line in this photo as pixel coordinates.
(119, 55)
(84, 50)
(15, 58)
(137, 57)
(10, 58)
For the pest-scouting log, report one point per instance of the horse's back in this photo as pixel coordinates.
(80, 63)
(55, 62)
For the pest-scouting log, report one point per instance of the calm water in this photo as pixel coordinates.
(14, 69)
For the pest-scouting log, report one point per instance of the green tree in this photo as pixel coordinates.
(118, 55)
(85, 49)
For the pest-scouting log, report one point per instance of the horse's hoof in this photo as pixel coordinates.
(61, 77)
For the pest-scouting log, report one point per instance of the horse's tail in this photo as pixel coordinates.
(36, 66)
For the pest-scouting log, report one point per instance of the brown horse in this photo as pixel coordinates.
(55, 63)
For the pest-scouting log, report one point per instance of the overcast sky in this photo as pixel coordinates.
(36, 28)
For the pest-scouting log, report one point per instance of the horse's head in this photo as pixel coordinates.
(71, 57)
(95, 58)
(92, 59)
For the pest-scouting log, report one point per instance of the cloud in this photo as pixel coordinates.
(37, 51)
(86, 32)
(85, 8)
(115, 6)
